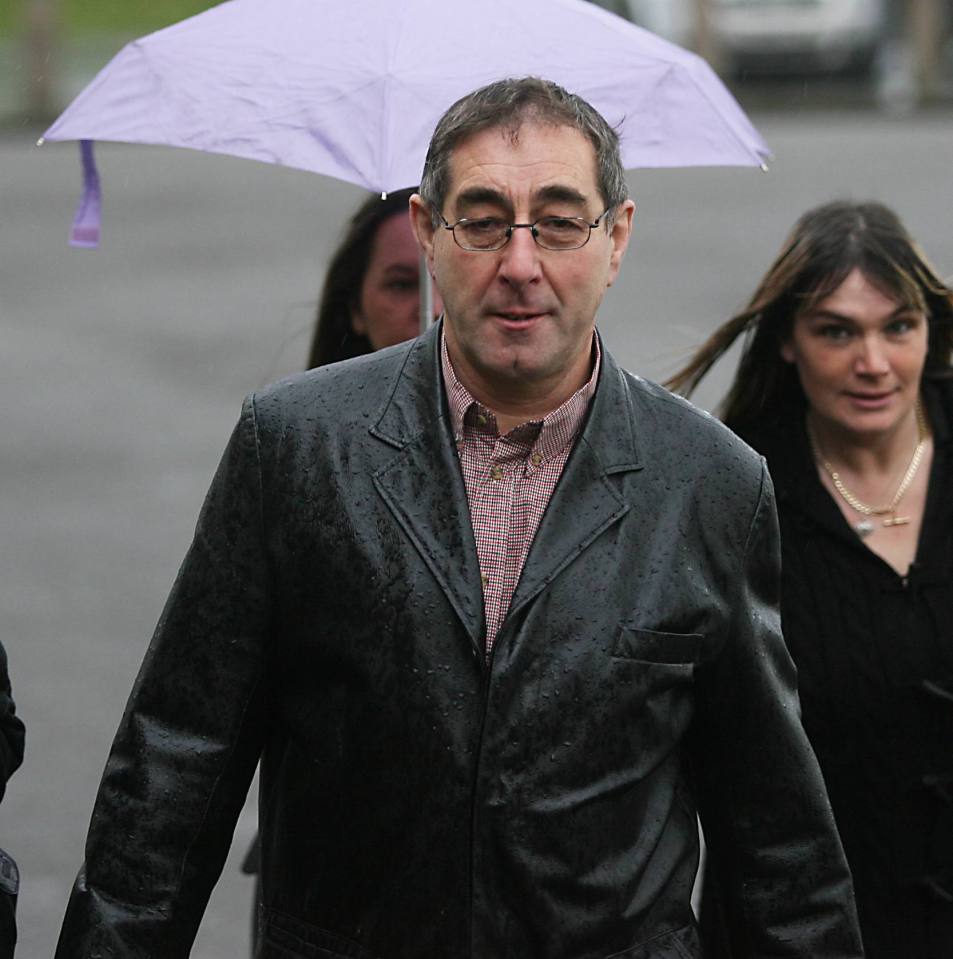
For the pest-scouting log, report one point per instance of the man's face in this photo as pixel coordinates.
(519, 320)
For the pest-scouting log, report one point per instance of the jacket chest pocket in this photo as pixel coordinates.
(653, 673)
(657, 648)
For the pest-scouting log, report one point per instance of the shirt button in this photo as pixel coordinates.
(496, 473)
(536, 459)
(484, 578)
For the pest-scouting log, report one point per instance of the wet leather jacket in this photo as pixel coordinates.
(419, 801)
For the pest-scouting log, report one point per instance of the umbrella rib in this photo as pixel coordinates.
(752, 151)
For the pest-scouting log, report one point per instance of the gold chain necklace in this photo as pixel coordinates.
(866, 526)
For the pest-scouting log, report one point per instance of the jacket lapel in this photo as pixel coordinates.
(423, 487)
(422, 484)
(586, 500)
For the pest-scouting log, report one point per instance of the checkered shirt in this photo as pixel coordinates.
(509, 481)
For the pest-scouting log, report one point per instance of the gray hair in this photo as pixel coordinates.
(507, 105)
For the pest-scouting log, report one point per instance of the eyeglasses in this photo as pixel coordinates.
(486, 233)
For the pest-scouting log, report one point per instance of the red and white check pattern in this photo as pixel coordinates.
(509, 481)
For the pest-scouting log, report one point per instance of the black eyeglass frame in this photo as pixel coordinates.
(532, 227)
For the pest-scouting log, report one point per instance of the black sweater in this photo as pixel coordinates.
(874, 652)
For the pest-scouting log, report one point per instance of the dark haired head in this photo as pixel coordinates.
(334, 338)
(507, 105)
(827, 243)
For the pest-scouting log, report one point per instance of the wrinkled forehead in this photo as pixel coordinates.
(544, 160)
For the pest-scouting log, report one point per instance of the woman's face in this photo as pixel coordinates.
(859, 355)
(389, 300)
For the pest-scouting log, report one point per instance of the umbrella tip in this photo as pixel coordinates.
(764, 166)
(383, 194)
(41, 141)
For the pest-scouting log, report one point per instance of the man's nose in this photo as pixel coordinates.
(519, 259)
(872, 358)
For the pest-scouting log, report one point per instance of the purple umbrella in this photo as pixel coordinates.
(353, 90)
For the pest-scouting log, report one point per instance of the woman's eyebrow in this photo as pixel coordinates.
(830, 315)
(826, 314)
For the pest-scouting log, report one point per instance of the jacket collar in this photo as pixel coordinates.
(423, 486)
(589, 497)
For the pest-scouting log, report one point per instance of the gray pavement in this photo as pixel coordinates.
(122, 371)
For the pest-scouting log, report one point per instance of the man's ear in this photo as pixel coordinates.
(619, 233)
(422, 224)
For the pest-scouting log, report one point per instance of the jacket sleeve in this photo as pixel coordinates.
(11, 728)
(776, 858)
(189, 740)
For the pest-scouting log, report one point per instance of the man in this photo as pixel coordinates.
(498, 617)
(12, 736)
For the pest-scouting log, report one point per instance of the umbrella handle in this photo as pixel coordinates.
(86, 222)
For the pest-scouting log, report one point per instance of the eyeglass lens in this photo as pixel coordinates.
(550, 232)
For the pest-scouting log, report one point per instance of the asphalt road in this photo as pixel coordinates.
(122, 372)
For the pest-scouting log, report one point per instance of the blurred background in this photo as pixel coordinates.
(122, 369)
(897, 54)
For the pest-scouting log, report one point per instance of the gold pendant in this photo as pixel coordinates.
(897, 521)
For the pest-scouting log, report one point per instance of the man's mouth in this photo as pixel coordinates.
(519, 316)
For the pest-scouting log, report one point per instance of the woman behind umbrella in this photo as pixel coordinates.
(370, 299)
(371, 295)
(845, 386)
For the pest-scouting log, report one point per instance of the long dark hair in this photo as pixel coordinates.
(334, 339)
(826, 244)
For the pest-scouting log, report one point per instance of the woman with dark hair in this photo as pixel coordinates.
(844, 385)
(371, 291)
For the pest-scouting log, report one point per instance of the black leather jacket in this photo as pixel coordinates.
(418, 801)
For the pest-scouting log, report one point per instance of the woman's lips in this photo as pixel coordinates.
(871, 401)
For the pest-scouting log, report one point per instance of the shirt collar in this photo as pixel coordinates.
(556, 428)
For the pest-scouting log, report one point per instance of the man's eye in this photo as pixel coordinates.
(484, 225)
(561, 224)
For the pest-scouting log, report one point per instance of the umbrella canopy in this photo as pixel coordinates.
(353, 90)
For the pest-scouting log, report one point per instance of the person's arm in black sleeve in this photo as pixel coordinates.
(186, 749)
(775, 853)
(11, 727)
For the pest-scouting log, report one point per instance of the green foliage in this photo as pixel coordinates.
(128, 17)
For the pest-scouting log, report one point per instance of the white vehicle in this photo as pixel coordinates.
(672, 19)
(770, 36)
(796, 36)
